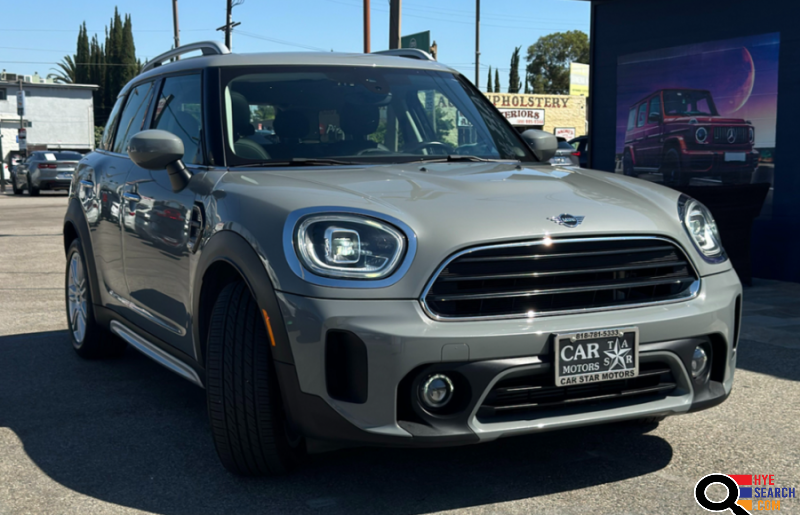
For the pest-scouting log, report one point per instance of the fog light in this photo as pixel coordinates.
(436, 391)
(699, 362)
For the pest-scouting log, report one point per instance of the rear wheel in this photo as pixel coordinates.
(627, 164)
(89, 339)
(33, 192)
(248, 422)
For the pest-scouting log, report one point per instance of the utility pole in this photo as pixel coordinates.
(478, 44)
(229, 25)
(175, 23)
(366, 27)
(394, 24)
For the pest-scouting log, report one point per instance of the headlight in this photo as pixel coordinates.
(701, 135)
(349, 246)
(702, 229)
(752, 134)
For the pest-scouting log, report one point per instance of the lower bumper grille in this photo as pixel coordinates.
(535, 394)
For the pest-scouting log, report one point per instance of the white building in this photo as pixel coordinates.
(57, 116)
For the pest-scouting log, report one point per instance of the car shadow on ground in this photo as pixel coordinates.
(128, 432)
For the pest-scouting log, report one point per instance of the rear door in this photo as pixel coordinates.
(158, 239)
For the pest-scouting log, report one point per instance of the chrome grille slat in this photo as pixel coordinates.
(558, 277)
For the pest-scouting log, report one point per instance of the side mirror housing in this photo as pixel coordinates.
(543, 144)
(654, 117)
(159, 150)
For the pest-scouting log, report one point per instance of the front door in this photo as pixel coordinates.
(157, 238)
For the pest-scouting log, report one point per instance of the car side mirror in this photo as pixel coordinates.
(159, 150)
(543, 144)
(654, 117)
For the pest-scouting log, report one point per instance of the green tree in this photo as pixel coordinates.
(549, 58)
(489, 87)
(513, 75)
(113, 60)
(496, 80)
(527, 85)
(129, 68)
(66, 72)
(82, 56)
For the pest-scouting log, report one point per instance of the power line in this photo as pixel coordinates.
(76, 64)
(279, 41)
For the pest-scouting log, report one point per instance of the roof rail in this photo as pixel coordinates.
(410, 53)
(207, 47)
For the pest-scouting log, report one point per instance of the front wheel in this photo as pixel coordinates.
(89, 339)
(627, 164)
(248, 422)
(671, 170)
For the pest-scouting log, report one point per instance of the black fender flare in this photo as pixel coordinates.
(76, 217)
(233, 249)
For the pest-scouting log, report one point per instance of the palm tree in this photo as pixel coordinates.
(67, 72)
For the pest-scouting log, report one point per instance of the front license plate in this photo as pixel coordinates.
(596, 356)
(735, 156)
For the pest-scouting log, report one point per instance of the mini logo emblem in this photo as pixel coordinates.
(731, 135)
(567, 220)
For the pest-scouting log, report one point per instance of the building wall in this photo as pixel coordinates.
(625, 27)
(54, 116)
(560, 111)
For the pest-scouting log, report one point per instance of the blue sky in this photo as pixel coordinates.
(36, 33)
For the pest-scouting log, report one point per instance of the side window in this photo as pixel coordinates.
(132, 119)
(632, 119)
(642, 115)
(655, 108)
(108, 134)
(179, 111)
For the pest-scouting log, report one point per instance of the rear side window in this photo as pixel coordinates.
(179, 111)
(133, 116)
(632, 119)
(108, 134)
(642, 115)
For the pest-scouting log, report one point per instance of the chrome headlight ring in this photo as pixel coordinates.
(336, 246)
(701, 229)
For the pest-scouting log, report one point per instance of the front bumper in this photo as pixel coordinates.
(401, 342)
(712, 162)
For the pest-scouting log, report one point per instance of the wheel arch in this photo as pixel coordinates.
(226, 257)
(75, 226)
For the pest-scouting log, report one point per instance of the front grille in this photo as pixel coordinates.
(741, 135)
(536, 279)
(535, 394)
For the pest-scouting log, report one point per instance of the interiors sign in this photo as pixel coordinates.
(524, 116)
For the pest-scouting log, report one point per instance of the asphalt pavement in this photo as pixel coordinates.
(126, 436)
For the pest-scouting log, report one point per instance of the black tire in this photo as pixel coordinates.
(627, 165)
(14, 188)
(33, 192)
(671, 170)
(245, 409)
(92, 341)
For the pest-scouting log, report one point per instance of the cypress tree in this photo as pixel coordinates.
(128, 53)
(82, 56)
(114, 72)
(513, 75)
(527, 85)
(496, 81)
(489, 87)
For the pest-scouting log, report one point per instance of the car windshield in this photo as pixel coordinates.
(349, 114)
(689, 103)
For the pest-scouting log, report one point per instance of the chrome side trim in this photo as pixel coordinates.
(694, 288)
(290, 252)
(156, 354)
(180, 331)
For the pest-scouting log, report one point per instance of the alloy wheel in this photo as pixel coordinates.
(76, 295)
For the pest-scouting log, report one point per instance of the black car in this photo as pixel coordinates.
(565, 155)
(581, 150)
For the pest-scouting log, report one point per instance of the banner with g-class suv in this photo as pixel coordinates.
(702, 114)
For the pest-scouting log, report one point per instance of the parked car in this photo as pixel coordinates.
(564, 155)
(581, 146)
(680, 134)
(388, 282)
(45, 170)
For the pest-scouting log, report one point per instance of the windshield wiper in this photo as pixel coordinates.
(457, 158)
(300, 161)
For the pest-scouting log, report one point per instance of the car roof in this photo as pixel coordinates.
(288, 59)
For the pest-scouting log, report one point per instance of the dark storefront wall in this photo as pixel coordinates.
(625, 27)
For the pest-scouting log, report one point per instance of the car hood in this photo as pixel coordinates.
(451, 206)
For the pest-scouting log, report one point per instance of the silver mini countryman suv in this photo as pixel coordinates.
(357, 249)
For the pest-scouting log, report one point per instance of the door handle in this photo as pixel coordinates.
(131, 196)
